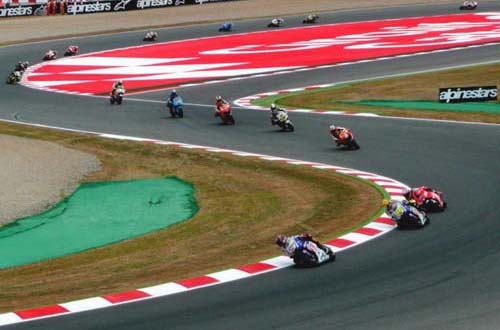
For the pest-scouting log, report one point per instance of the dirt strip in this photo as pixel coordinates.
(37, 174)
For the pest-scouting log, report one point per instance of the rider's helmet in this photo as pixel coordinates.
(273, 106)
(174, 91)
(119, 82)
(281, 240)
(332, 128)
(218, 98)
(390, 205)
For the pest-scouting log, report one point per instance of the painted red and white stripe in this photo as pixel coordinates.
(247, 102)
(163, 65)
(376, 228)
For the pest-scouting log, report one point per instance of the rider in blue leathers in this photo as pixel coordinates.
(401, 211)
(170, 99)
(292, 244)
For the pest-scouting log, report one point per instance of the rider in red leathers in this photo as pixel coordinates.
(219, 101)
(421, 194)
(339, 134)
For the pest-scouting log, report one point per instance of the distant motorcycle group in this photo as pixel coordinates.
(51, 54)
(16, 75)
(275, 22)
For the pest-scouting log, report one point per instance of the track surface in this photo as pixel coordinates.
(443, 277)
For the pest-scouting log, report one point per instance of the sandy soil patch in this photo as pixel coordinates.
(36, 174)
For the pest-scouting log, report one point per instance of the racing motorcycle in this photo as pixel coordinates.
(150, 36)
(469, 5)
(176, 107)
(50, 55)
(71, 50)
(282, 121)
(432, 202)
(408, 216)
(225, 113)
(348, 142)
(276, 22)
(309, 254)
(226, 27)
(117, 96)
(310, 19)
(14, 77)
(22, 66)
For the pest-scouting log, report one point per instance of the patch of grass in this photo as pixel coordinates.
(243, 204)
(423, 86)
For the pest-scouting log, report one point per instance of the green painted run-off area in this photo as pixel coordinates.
(485, 107)
(97, 214)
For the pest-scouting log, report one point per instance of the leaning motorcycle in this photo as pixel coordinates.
(411, 217)
(468, 5)
(226, 27)
(14, 78)
(434, 203)
(276, 22)
(225, 113)
(310, 19)
(117, 96)
(71, 51)
(309, 254)
(50, 55)
(176, 107)
(349, 142)
(283, 122)
(150, 36)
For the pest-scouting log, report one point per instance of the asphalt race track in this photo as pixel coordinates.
(442, 277)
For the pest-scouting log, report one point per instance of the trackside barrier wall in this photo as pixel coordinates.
(16, 8)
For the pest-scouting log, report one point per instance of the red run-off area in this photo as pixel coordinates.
(167, 64)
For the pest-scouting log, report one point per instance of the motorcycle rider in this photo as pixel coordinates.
(277, 21)
(219, 101)
(171, 97)
(289, 244)
(173, 94)
(339, 134)
(311, 18)
(51, 54)
(72, 49)
(469, 4)
(22, 66)
(420, 194)
(226, 26)
(399, 209)
(15, 76)
(117, 85)
(275, 112)
(151, 35)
